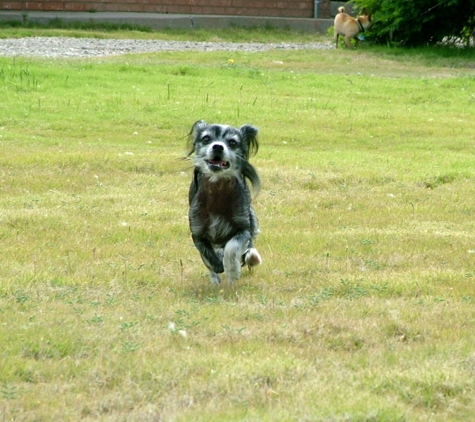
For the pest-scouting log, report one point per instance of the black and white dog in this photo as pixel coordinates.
(222, 221)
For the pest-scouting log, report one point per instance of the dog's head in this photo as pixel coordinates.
(365, 19)
(223, 151)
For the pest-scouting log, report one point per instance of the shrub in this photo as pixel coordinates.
(418, 23)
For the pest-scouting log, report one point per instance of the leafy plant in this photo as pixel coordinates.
(423, 22)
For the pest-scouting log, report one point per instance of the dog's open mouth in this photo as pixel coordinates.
(217, 164)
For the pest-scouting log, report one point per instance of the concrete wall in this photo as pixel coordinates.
(271, 8)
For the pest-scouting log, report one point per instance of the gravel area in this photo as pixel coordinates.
(91, 47)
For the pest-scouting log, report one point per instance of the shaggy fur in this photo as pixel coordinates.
(222, 221)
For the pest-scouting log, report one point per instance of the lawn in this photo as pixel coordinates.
(364, 307)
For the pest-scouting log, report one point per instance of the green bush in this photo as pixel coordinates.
(425, 22)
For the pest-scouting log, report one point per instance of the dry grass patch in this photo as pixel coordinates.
(363, 309)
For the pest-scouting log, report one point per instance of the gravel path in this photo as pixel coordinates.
(91, 47)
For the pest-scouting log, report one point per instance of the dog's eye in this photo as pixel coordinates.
(206, 139)
(232, 143)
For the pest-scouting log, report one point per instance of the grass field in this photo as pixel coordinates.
(364, 307)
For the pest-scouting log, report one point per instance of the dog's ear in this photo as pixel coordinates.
(249, 138)
(363, 12)
(199, 125)
(195, 129)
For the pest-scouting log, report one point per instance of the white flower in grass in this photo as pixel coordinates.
(172, 328)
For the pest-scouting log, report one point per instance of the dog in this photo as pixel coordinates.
(222, 222)
(350, 27)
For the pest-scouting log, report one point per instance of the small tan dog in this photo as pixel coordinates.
(350, 27)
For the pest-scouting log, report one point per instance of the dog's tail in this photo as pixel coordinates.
(341, 9)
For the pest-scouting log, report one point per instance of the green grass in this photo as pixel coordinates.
(363, 309)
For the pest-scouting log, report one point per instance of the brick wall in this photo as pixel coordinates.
(283, 8)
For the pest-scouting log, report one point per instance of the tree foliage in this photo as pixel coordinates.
(421, 22)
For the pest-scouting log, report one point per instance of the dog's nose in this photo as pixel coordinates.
(217, 147)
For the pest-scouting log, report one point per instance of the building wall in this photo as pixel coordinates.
(283, 8)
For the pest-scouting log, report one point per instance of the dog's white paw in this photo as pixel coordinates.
(252, 258)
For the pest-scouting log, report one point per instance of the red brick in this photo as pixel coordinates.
(52, 6)
(182, 9)
(282, 8)
(33, 5)
(232, 11)
(11, 5)
(74, 7)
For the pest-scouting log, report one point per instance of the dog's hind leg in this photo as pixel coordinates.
(348, 41)
(251, 258)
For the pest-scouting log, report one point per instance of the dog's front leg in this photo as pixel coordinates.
(233, 252)
(211, 259)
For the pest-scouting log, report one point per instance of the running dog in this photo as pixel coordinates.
(222, 221)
